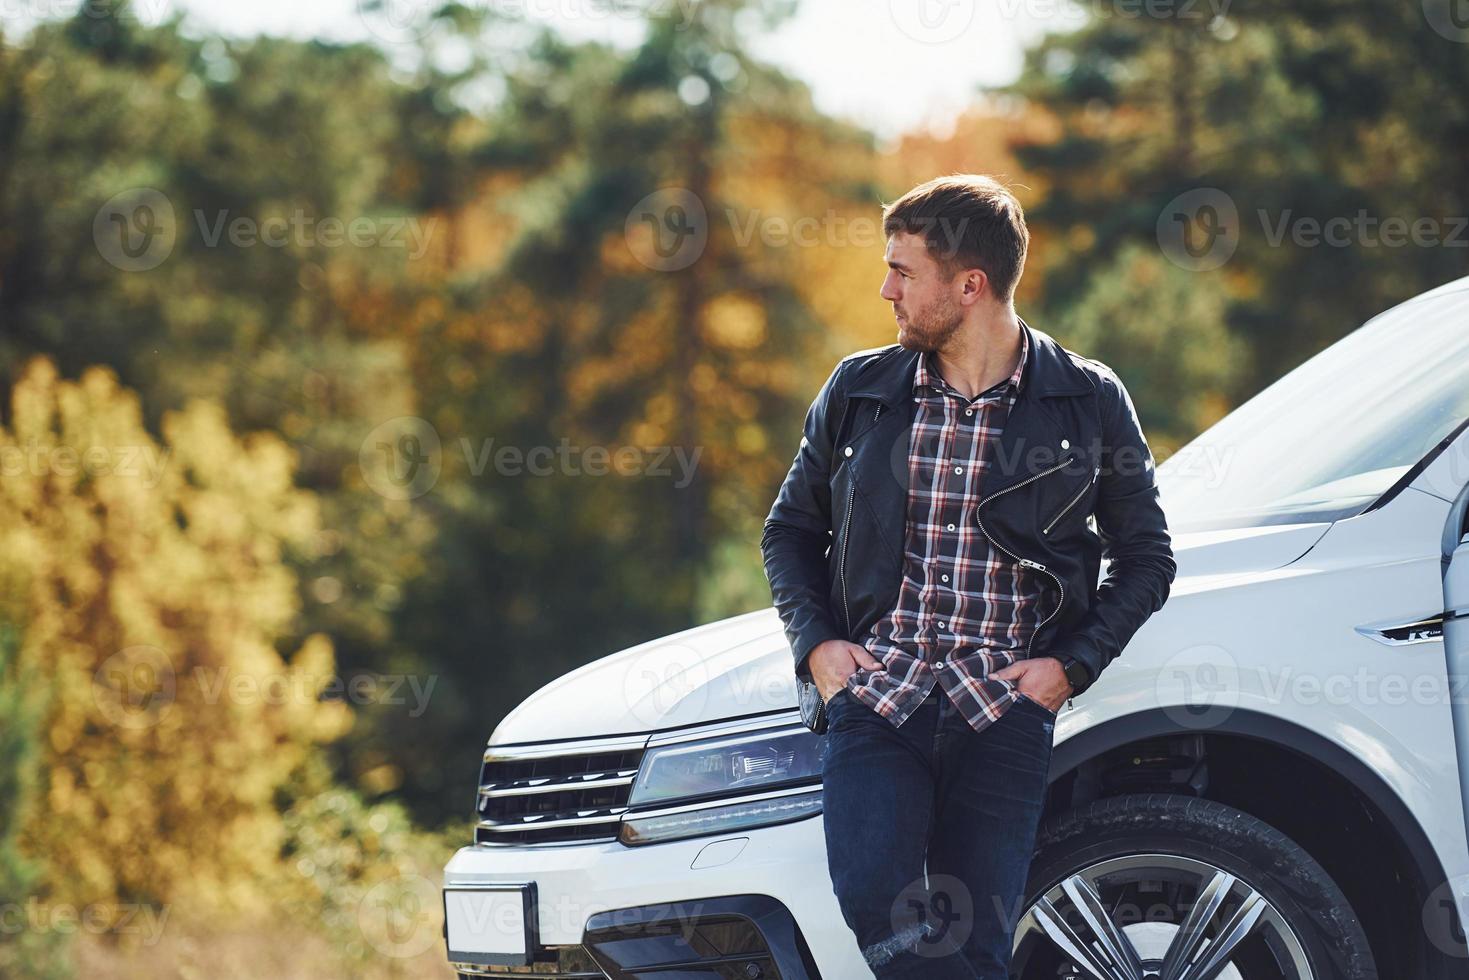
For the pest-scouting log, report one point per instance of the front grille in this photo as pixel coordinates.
(555, 799)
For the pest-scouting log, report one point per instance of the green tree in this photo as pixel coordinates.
(27, 952)
(1162, 328)
(576, 333)
(1280, 106)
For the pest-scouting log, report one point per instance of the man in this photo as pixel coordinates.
(932, 558)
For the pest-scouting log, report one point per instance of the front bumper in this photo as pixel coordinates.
(613, 903)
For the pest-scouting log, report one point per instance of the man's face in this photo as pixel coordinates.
(925, 303)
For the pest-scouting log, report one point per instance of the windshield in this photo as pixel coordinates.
(1333, 435)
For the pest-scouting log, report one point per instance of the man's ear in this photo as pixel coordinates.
(976, 285)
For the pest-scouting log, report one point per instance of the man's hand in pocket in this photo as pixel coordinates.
(1042, 679)
(834, 661)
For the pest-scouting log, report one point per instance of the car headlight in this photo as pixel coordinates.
(728, 783)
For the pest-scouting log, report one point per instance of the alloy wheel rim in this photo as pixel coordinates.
(1213, 925)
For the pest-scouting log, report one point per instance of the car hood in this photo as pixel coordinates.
(742, 666)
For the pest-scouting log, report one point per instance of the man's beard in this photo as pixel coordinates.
(931, 330)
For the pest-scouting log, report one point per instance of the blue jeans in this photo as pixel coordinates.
(933, 792)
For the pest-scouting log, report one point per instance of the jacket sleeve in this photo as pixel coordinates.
(1135, 540)
(797, 533)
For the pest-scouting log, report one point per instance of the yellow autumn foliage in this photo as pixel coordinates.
(150, 584)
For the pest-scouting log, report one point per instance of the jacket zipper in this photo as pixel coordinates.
(1079, 494)
(846, 540)
(1026, 561)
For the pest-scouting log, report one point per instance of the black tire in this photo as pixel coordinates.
(1328, 931)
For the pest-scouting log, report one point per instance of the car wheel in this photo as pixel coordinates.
(1178, 888)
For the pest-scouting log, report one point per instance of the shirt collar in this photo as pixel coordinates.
(925, 376)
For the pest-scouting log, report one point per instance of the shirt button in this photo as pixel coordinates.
(951, 527)
(944, 577)
(1065, 444)
(942, 626)
(958, 469)
(969, 412)
(847, 451)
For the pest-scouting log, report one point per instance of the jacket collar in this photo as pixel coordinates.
(1048, 371)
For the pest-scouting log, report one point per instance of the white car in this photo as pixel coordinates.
(1268, 783)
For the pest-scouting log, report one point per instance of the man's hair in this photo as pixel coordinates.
(969, 221)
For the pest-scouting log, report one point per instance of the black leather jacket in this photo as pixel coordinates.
(1071, 449)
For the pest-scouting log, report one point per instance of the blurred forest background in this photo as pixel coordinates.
(203, 436)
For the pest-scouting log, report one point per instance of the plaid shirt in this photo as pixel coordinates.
(965, 608)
